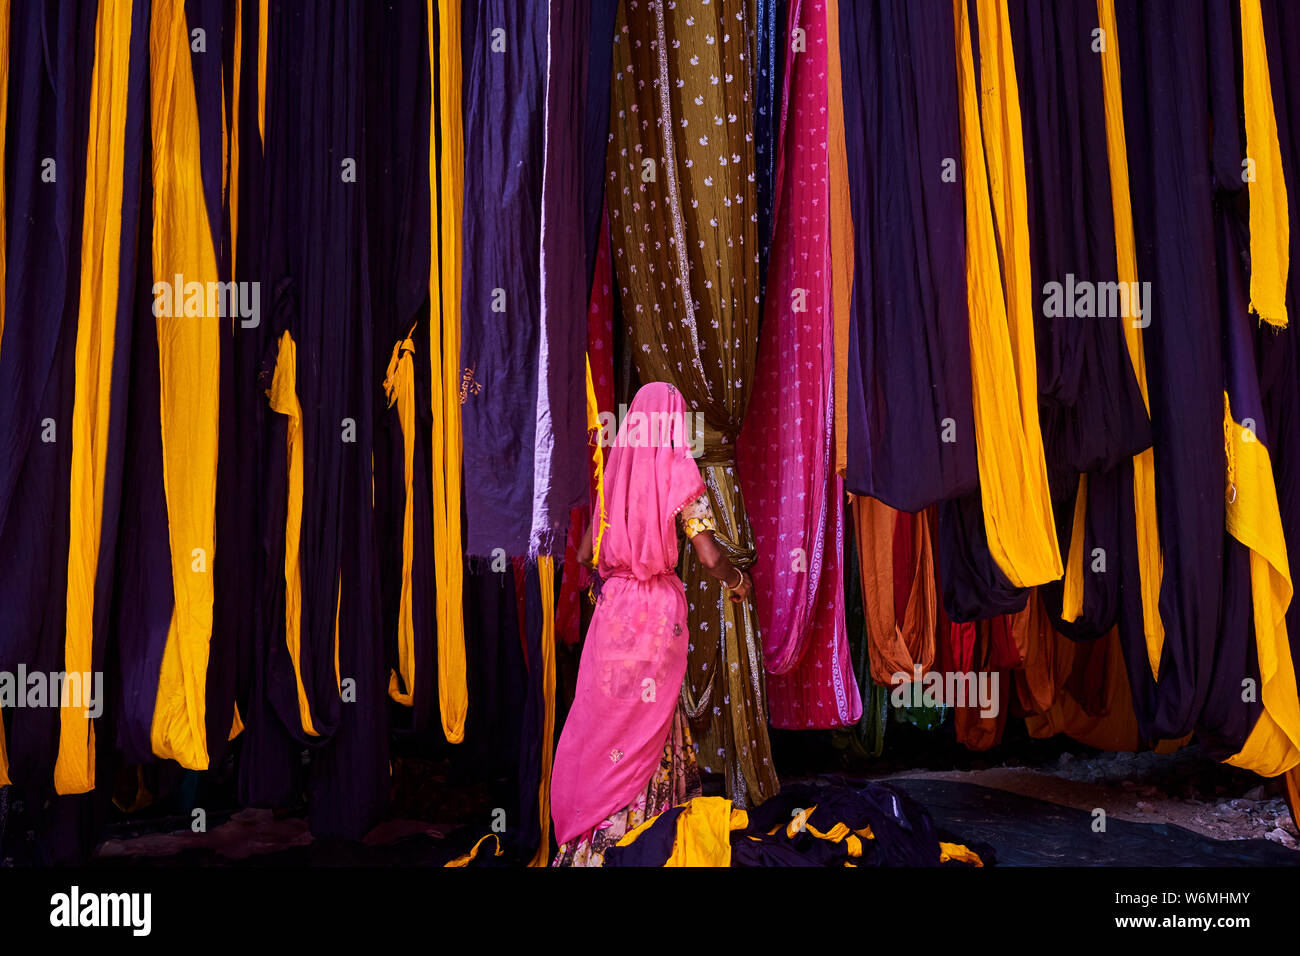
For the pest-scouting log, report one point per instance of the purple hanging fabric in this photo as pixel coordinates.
(504, 93)
(52, 54)
(560, 455)
(1171, 81)
(911, 439)
(1091, 409)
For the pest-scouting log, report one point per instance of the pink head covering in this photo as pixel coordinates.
(634, 658)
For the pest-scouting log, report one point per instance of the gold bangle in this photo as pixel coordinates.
(732, 587)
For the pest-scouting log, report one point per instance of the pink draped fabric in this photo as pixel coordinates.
(634, 658)
(795, 499)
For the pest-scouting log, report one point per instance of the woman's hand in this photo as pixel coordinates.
(721, 569)
(744, 589)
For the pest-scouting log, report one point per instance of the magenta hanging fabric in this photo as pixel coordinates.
(786, 455)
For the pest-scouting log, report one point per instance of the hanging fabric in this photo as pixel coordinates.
(446, 202)
(1279, 352)
(1016, 503)
(108, 267)
(910, 433)
(786, 452)
(1146, 559)
(1093, 416)
(522, 388)
(1269, 218)
(898, 588)
(189, 383)
(51, 61)
(399, 238)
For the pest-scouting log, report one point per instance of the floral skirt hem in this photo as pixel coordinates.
(676, 781)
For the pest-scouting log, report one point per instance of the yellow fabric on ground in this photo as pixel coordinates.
(956, 851)
(1150, 558)
(446, 195)
(189, 353)
(703, 832)
(399, 386)
(1270, 228)
(465, 858)
(1012, 467)
(1253, 518)
(101, 236)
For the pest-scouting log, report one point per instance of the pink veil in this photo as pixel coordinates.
(634, 658)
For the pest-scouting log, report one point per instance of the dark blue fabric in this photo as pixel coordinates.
(51, 62)
(909, 350)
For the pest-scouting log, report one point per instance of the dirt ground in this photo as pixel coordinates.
(1180, 789)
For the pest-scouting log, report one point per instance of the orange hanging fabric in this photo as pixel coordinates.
(894, 647)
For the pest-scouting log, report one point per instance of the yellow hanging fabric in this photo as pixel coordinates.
(399, 386)
(189, 351)
(598, 459)
(283, 395)
(546, 580)
(446, 195)
(338, 607)
(1072, 592)
(101, 237)
(1012, 467)
(1253, 518)
(1150, 558)
(1270, 230)
(841, 234)
(261, 71)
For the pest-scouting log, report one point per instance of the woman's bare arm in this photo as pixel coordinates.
(717, 564)
(585, 549)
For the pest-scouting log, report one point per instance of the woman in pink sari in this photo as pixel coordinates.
(625, 754)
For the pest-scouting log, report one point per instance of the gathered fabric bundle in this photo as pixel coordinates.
(839, 824)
